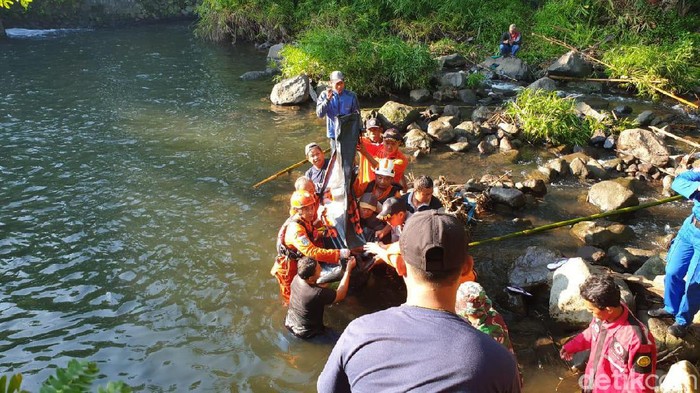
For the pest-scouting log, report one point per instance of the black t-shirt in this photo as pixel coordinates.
(306, 305)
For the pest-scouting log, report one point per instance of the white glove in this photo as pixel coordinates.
(344, 253)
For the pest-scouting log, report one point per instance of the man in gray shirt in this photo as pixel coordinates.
(422, 345)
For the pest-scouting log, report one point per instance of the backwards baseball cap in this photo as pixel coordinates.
(372, 123)
(433, 241)
(309, 147)
(337, 76)
(392, 206)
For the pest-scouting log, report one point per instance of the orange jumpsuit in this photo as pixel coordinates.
(295, 240)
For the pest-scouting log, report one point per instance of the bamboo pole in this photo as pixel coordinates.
(571, 78)
(631, 80)
(285, 170)
(574, 221)
(668, 134)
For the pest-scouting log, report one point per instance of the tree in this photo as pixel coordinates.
(6, 4)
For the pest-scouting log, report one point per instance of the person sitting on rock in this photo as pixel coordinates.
(511, 41)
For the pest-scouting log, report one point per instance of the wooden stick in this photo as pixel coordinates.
(631, 80)
(571, 78)
(574, 221)
(285, 170)
(668, 134)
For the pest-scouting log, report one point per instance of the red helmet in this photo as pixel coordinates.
(301, 199)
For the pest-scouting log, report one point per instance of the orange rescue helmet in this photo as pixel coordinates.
(301, 198)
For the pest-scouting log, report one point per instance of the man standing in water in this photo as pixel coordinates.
(335, 102)
(422, 344)
(308, 301)
(295, 240)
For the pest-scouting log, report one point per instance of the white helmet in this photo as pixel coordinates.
(385, 167)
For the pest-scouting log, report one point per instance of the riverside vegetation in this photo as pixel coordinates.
(387, 46)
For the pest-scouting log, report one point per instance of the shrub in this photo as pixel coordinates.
(676, 70)
(76, 377)
(544, 117)
(265, 20)
(372, 65)
(475, 80)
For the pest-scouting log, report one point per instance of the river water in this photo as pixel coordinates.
(129, 232)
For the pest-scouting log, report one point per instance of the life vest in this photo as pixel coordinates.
(282, 249)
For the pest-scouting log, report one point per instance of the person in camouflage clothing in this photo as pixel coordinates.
(474, 306)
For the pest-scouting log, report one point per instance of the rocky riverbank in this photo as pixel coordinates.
(612, 169)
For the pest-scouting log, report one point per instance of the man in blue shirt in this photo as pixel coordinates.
(422, 345)
(336, 102)
(681, 297)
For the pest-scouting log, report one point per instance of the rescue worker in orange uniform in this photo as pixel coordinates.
(296, 239)
(382, 187)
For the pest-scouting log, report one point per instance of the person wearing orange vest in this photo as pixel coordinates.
(296, 239)
(383, 186)
(369, 147)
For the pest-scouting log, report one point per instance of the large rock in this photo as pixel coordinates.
(255, 75)
(398, 115)
(512, 67)
(418, 139)
(627, 259)
(654, 266)
(602, 234)
(584, 109)
(274, 56)
(420, 95)
(454, 60)
(467, 96)
(530, 269)
(543, 83)
(571, 64)
(644, 145)
(453, 79)
(578, 168)
(441, 129)
(511, 197)
(566, 305)
(536, 187)
(645, 118)
(481, 114)
(682, 377)
(611, 195)
(461, 145)
(291, 91)
(686, 348)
